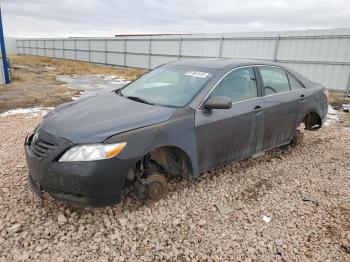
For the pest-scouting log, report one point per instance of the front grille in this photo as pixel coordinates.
(42, 148)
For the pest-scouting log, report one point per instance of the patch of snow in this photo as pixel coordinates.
(266, 219)
(346, 108)
(120, 82)
(331, 110)
(50, 68)
(109, 77)
(34, 111)
(74, 98)
(331, 117)
(91, 85)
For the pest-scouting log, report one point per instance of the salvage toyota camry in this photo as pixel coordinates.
(179, 120)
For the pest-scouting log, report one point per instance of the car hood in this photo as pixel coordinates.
(94, 119)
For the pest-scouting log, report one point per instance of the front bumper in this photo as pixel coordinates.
(91, 183)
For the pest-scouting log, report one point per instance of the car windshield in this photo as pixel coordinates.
(174, 87)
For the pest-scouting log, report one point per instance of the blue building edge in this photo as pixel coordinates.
(3, 52)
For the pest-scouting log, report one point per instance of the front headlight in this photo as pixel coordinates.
(92, 152)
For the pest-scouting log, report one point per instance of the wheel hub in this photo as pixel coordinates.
(153, 187)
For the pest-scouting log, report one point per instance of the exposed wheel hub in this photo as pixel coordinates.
(153, 187)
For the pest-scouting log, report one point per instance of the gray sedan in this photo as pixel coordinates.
(180, 119)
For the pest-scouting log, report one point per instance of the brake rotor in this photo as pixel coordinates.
(152, 187)
(156, 186)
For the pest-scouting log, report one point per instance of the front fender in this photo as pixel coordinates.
(178, 131)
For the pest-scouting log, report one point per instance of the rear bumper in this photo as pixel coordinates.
(91, 183)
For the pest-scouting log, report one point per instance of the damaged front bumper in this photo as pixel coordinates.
(90, 183)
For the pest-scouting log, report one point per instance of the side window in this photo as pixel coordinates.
(275, 80)
(238, 85)
(294, 84)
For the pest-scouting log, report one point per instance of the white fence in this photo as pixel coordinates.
(10, 44)
(321, 55)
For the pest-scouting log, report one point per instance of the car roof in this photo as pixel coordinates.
(219, 63)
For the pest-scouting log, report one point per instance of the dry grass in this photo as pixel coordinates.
(35, 85)
(69, 67)
(337, 99)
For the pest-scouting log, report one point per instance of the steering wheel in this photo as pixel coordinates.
(272, 89)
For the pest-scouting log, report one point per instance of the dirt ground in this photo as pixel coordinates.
(34, 81)
(304, 191)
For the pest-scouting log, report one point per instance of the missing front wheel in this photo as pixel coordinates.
(153, 187)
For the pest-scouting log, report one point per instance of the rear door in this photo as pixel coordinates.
(224, 135)
(282, 106)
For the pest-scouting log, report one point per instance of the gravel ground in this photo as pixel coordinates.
(304, 192)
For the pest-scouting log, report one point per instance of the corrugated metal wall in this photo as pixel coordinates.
(321, 55)
(10, 44)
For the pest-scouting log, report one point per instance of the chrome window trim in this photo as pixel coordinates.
(253, 65)
(287, 73)
(200, 110)
(296, 79)
(282, 93)
(211, 90)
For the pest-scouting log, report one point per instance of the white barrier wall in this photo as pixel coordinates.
(10, 45)
(321, 55)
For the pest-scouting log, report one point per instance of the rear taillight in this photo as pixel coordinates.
(326, 94)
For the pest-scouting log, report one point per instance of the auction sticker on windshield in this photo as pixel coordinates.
(197, 74)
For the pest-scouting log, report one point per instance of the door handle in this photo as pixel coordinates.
(302, 98)
(257, 109)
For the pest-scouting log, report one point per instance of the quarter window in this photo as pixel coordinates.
(275, 80)
(294, 84)
(239, 85)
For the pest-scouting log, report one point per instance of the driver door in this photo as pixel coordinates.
(225, 135)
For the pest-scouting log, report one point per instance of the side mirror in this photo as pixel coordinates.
(218, 102)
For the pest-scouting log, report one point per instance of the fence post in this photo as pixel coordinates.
(149, 53)
(75, 49)
(220, 46)
(180, 47)
(276, 48)
(106, 51)
(124, 59)
(64, 49)
(36, 47)
(347, 93)
(89, 44)
(44, 47)
(53, 48)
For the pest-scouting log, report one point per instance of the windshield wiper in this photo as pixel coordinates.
(118, 92)
(135, 98)
(139, 99)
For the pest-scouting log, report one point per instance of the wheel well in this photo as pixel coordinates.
(312, 121)
(173, 160)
